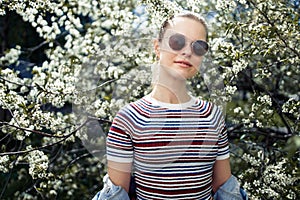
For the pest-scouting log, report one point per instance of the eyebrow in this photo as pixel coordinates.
(192, 39)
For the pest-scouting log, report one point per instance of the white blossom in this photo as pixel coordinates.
(266, 99)
(230, 89)
(4, 164)
(238, 66)
(227, 6)
(38, 164)
(11, 56)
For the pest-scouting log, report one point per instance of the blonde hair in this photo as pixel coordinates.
(189, 15)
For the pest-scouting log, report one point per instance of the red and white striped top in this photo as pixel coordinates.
(172, 146)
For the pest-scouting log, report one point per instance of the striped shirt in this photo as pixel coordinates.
(172, 146)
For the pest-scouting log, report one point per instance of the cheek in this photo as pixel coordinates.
(196, 61)
(166, 57)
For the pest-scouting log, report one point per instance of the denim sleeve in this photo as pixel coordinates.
(111, 191)
(231, 190)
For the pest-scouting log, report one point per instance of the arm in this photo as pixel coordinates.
(226, 186)
(221, 173)
(120, 174)
(116, 183)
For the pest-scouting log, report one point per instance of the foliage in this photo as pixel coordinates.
(85, 59)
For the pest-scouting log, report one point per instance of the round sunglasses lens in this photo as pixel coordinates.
(200, 47)
(177, 42)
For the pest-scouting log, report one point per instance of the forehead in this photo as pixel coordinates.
(189, 27)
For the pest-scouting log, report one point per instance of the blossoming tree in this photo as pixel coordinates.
(96, 55)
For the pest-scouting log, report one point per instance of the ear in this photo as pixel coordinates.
(156, 48)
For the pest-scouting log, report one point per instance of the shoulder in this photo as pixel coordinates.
(140, 103)
(139, 107)
(207, 107)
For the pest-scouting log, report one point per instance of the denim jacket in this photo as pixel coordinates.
(230, 190)
(111, 191)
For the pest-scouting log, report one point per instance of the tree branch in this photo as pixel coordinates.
(275, 28)
(48, 145)
(19, 84)
(274, 100)
(32, 131)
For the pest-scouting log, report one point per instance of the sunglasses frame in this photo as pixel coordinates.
(203, 44)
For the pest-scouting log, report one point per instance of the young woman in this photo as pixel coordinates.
(174, 144)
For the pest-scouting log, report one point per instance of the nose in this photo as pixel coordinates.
(187, 50)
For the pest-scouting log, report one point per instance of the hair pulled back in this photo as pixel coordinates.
(168, 21)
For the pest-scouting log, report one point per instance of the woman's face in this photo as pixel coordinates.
(182, 63)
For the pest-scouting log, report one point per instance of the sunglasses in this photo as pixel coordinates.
(178, 41)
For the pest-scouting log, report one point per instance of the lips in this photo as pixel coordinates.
(183, 63)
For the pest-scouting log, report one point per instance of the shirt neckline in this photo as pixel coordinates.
(176, 106)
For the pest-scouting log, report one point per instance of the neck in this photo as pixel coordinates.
(170, 93)
(169, 86)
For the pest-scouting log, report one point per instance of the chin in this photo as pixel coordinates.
(188, 74)
(180, 73)
(183, 75)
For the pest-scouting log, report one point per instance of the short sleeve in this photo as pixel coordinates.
(119, 143)
(223, 144)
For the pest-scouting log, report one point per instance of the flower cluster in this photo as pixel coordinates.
(227, 6)
(292, 106)
(38, 164)
(4, 160)
(271, 180)
(11, 56)
(101, 108)
(230, 89)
